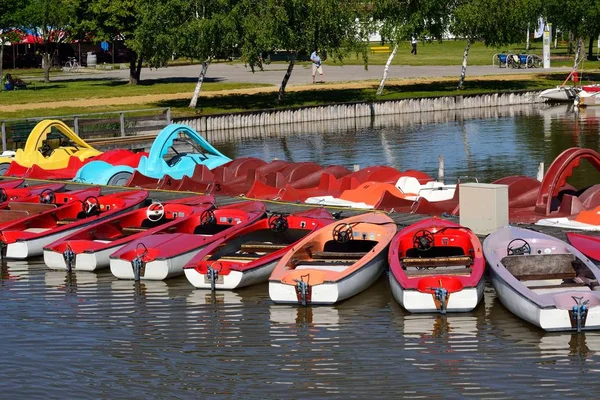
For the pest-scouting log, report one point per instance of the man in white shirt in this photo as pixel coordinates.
(413, 42)
(316, 66)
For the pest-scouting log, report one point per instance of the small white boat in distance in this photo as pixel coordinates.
(544, 280)
(561, 93)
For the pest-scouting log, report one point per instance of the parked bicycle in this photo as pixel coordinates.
(72, 65)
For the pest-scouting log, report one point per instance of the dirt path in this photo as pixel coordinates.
(155, 98)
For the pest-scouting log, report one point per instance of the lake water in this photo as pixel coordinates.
(91, 336)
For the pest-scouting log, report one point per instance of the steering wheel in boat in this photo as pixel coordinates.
(513, 250)
(155, 212)
(278, 223)
(208, 218)
(3, 195)
(47, 196)
(423, 240)
(46, 149)
(91, 206)
(342, 233)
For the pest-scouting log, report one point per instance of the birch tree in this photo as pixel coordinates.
(495, 22)
(400, 20)
(210, 31)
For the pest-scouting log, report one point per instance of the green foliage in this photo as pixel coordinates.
(577, 16)
(495, 22)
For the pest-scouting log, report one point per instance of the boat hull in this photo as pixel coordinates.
(155, 270)
(560, 93)
(332, 292)
(550, 319)
(88, 261)
(233, 280)
(418, 302)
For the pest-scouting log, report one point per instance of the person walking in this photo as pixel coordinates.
(316, 66)
(413, 42)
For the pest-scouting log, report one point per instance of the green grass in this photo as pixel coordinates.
(450, 52)
(40, 92)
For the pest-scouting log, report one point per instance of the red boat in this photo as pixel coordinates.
(11, 183)
(249, 256)
(436, 266)
(89, 249)
(27, 237)
(587, 244)
(163, 255)
(46, 200)
(39, 194)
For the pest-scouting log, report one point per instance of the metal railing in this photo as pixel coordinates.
(95, 125)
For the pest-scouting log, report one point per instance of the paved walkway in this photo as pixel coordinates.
(273, 74)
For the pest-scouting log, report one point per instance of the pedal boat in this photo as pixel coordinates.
(27, 237)
(249, 257)
(587, 244)
(163, 255)
(543, 280)
(436, 266)
(88, 249)
(334, 263)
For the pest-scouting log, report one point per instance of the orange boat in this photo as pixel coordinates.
(335, 262)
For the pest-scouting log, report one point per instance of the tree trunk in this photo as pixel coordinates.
(133, 79)
(463, 71)
(577, 53)
(47, 65)
(138, 69)
(591, 48)
(385, 71)
(198, 89)
(286, 78)
(1, 70)
(570, 44)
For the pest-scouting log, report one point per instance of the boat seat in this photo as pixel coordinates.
(33, 208)
(12, 215)
(66, 221)
(337, 255)
(240, 257)
(541, 266)
(322, 267)
(557, 289)
(436, 271)
(436, 261)
(132, 230)
(260, 247)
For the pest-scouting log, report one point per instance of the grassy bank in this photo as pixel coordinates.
(251, 96)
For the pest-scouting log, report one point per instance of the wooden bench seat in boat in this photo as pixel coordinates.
(436, 261)
(259, 247)
(32, 208)
(323, 267)
(12, 215)
(66, 221)
(240, 257)
(132, 230)
(540, 266)
(464, 271)
(337, 255)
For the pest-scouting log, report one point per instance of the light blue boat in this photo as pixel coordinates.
(155, 165)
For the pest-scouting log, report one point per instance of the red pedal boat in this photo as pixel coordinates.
(46, 200)
(436, 266)
(162, 255)
(588, 245)
(89, 249)
(37, 194)
(27, 237)
(249, 256)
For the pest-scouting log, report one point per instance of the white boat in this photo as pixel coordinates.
(561, 93)
(588, 96)
(543, 280)
(335, 262)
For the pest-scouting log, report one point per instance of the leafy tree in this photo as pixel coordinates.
(211, 31)
(50, 20)
(400, 20)
(300, 26)
(8, 21)
(495, 22)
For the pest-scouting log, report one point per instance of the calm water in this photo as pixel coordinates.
(91, 336)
